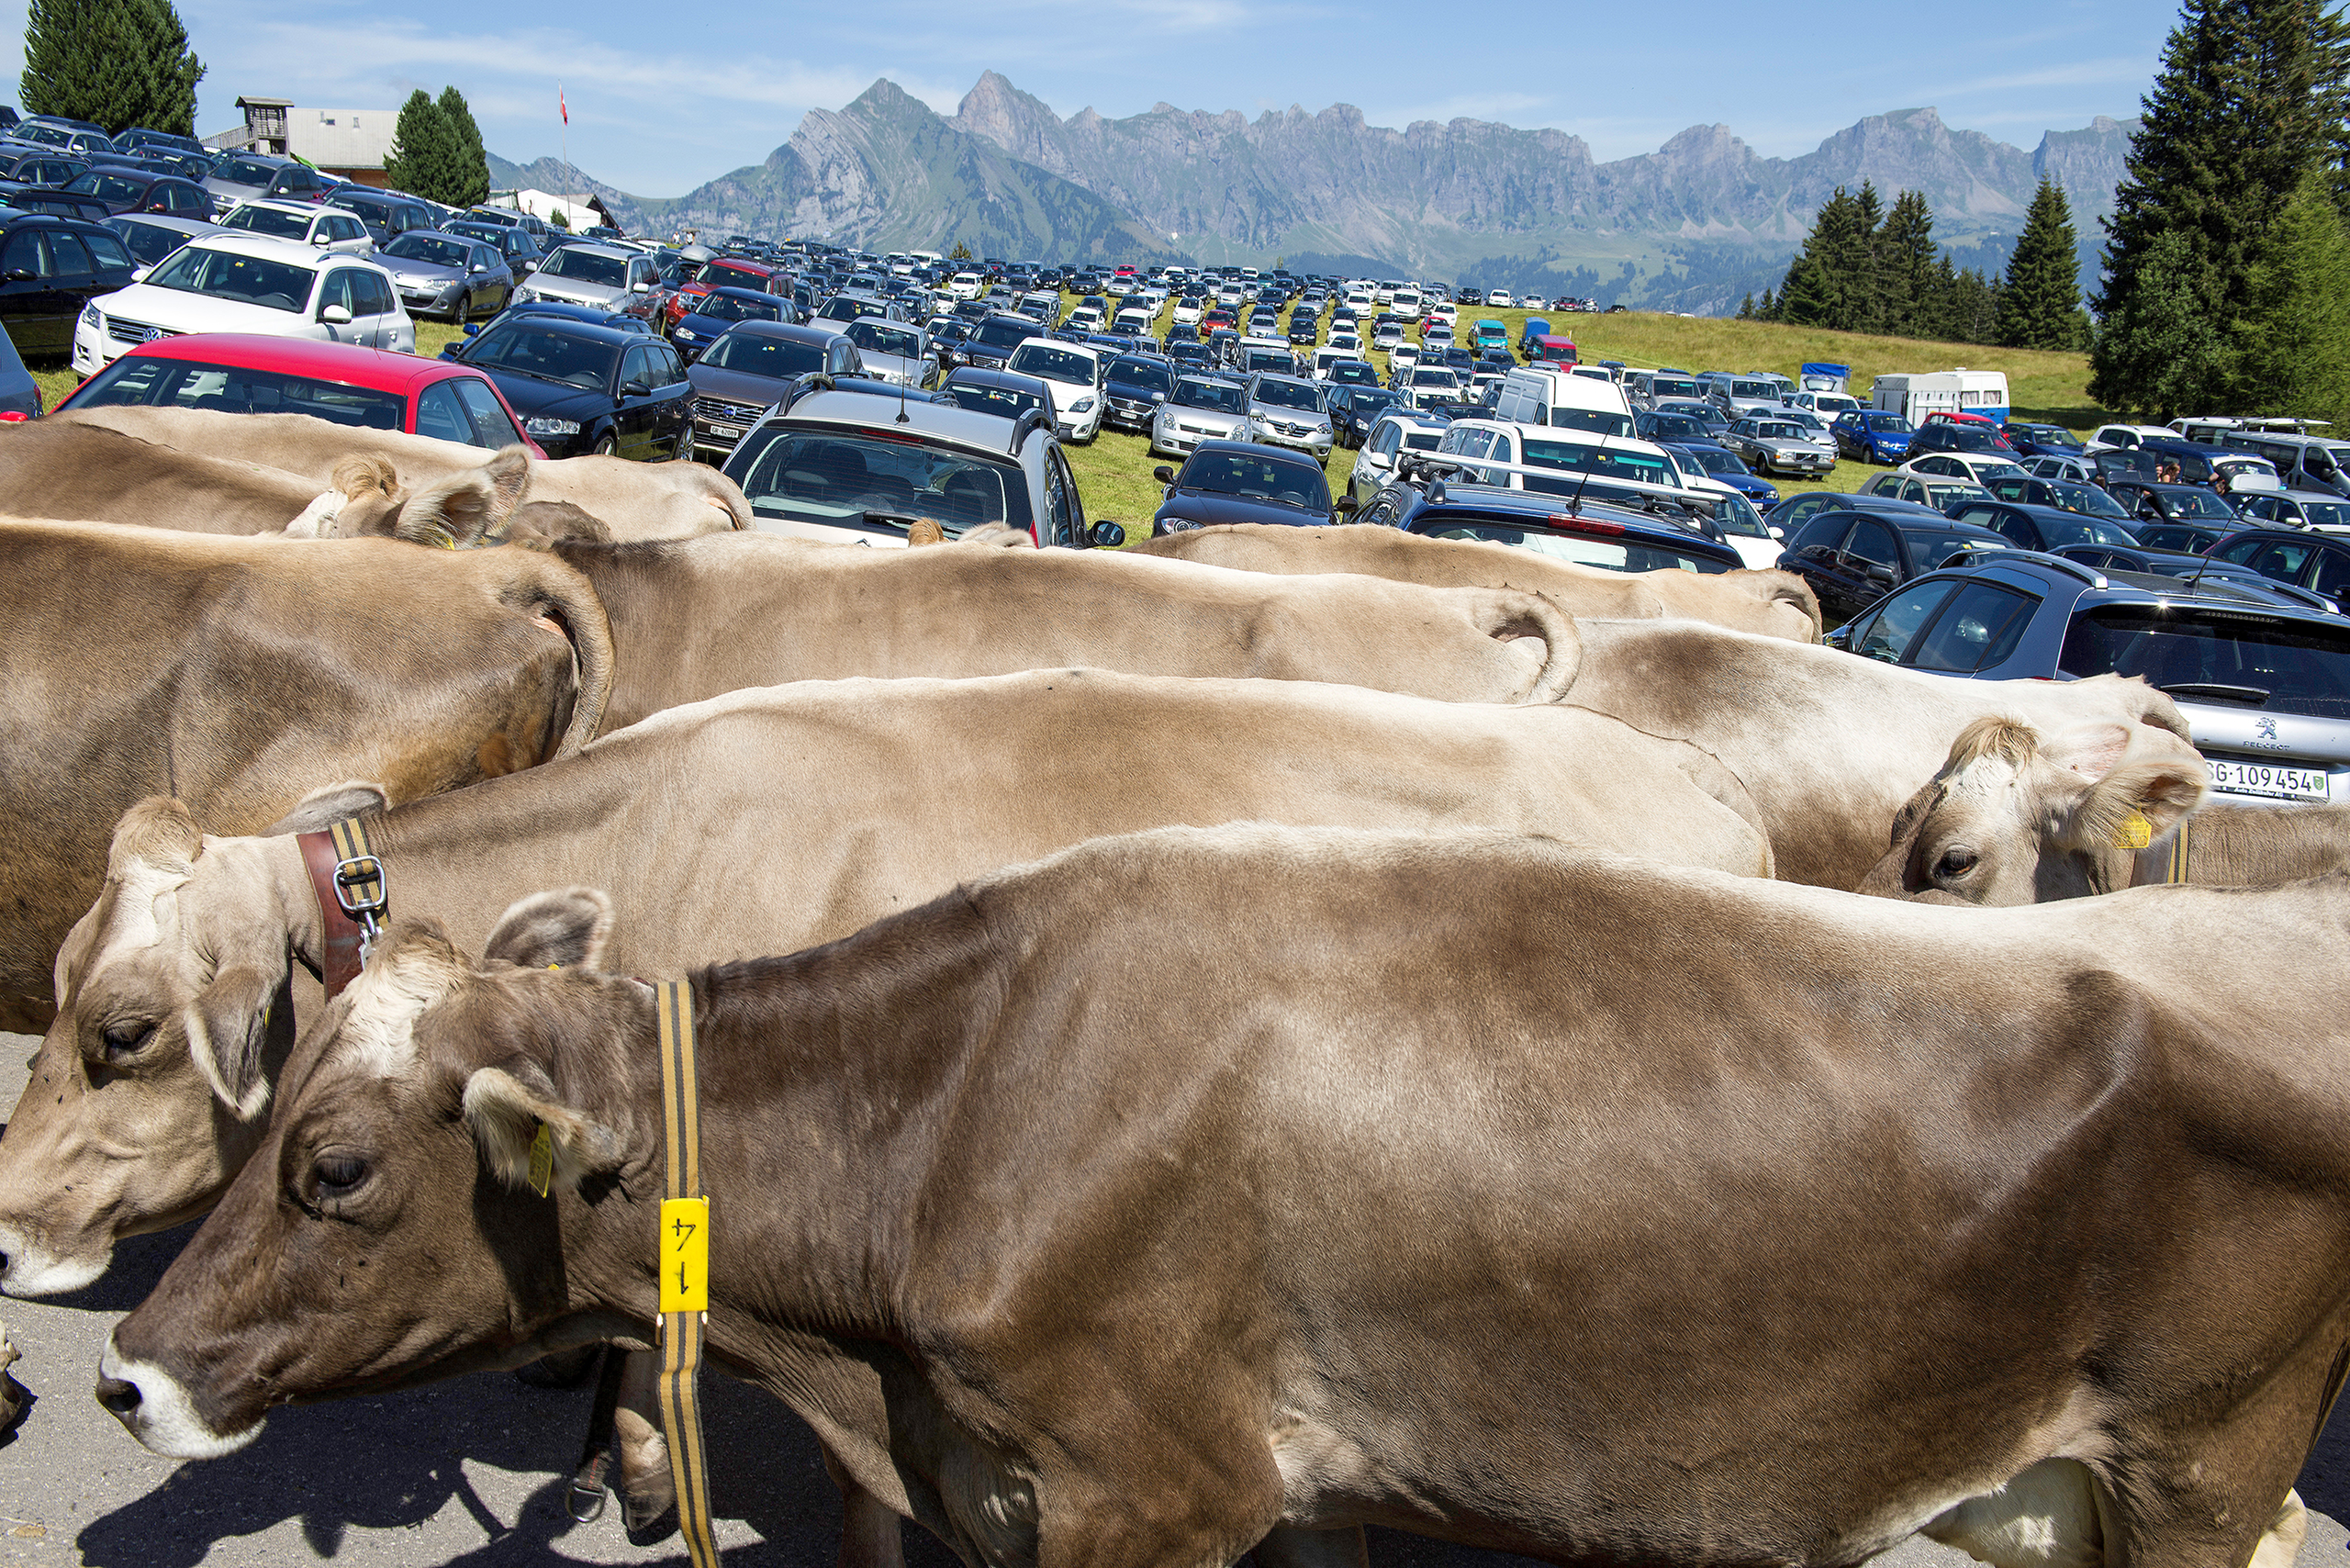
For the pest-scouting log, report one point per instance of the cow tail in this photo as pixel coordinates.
(1509, 614)
(565, 597)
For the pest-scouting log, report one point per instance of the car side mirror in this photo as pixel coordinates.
(322, 240)
(635, 389)
(1105, 535)
(481, 266)
(335, 315)
(21, 274)
(473, 329)
(640, 286)
(1163, 473)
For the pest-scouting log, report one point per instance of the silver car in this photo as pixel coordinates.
(1288, 411)
(894, 351)
(446, 275)
(602, 275)
(1779, 446)
(1202, 407)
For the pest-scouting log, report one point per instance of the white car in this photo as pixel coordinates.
(1347, 344)
(1444, 313)
(325, 228)
(1981, 467)
(1086, 318)
(1402, 360)
(1188, 310)
(1202, 407)
(278, 288)
(1501, 299)
(1072, 376)
(966, 286)
(1435, 339)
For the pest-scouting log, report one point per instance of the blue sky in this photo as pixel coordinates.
(666, 96)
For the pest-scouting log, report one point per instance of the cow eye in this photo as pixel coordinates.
(338, 1174)
(1954, 863)
(123, 1040)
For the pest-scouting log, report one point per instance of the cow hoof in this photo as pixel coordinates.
(648, 1523)
(564, 1368)
(14, 1395)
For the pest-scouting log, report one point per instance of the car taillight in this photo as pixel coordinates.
(1586, 524)
(10, 416)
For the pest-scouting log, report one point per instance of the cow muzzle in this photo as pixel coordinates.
(28, 1269)
(155, 1409)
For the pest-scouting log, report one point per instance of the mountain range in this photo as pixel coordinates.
(1691, 226)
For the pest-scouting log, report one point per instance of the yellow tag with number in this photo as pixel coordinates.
(542, 1160)
(685, 1254)
(2135, 832)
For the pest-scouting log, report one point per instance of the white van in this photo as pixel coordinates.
(1568, 461)
(1560, 398)
(1072, 376)
(1407, 303)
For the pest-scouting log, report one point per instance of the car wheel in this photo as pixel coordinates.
(463, 312)
(607, 445)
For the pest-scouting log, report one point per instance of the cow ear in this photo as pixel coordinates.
(321, 809)
(564, 929)
(229, 1028)
(466, 509)
(505, 1113)
(2136, 803)
(2090, 750)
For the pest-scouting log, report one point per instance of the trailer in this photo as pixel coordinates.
(1819, 377)
(1959, 391)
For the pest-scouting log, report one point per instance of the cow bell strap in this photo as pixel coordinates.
(683, 1253)
(2170, 864)
(348, 881)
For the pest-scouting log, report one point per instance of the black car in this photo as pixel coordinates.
(1577, 528)
(992, 341)
(1000, 392)
(513, 241)
(133, 190)
(2193, 538)
(1354, 409)
(1949, 435)
(1855, 553)
(1135, 385)
(50, 268)
(579, 388)
(1304, 328)
(57, 203)
(2031, 440)
(2064, 494)
(386, 214)
(1672, 430)
(2150, 502)
(2185, 566)
(39, 165)
(754, 365)
(2041, 528)
(1240, 481)
(2317, 562)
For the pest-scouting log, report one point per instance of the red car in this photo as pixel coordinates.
(726, 273)
(239, 373)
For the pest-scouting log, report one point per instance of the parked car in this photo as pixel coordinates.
(1723, 466)
(1234, 481)
(2031, 440)
(1984, 468)
(1287, 410)
(717, 311)
(1199, 408)
(1960, 435)
(2263, 686)
(826, 468)
(255, 176)
(365, 388)
(133, 190)
(2151, 502)
(150, 237)
(1072, 373)
(1354, 409)
(756, 366)
(1779, 446)
(2317, 562)
(1395, 431)
(322, 228)
(583, 274)
(386, 215)
(519, 247)
(2294, 509)
(2194, 568)
(444, 275)
(246, 284)
(39, 165)
(1135, 385)
(1562, 528)
(583, 388)
(894, 351)
(997, 392)
(1853, 554)
(1937, 492)
(2041, 528)
(51, 268)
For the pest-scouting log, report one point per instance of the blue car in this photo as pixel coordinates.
(2040, 440)
(719, 309)
(1870, 435)
(1725, 467)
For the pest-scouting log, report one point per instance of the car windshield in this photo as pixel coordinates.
(2230, 657)
(1675, 427)
(2327, 514)
(107, 187)
(245, 172)
(2085, 499)
(838, 476)
(586, 266)
(149, 243)
(734, 307)
(1004, 332)
(1267, 478)
(1149, 374)
(1717, 460)
(1777, 430)
(1037, 357)
(248, 280)
(1613, 553)
(534, 349)
(1891, 424)
(269, 221)
(1010, 402)
(875, 335)
(750, 353)
(1600, 462)
(1935, 547)
(2197, 503)
(1757, 389)
(1289, 395)
(425, 248)
(1736, 514)
(181, 384)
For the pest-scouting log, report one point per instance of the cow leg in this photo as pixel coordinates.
(2281, 1547)
(869, 1532)
(1285, 1546)
(648, 1496)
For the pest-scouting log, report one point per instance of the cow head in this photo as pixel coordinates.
(2016, 818)
(385, 1232)
(470, 508)
(174, 1015)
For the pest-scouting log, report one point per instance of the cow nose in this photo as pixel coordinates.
(118, 1397)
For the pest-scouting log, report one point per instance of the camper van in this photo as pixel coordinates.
(1960, 391)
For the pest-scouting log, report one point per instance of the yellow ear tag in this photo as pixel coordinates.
(542, 1160)
(2135, 832)
(685, 1254)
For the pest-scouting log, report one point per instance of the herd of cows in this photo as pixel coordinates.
(1204, 1047)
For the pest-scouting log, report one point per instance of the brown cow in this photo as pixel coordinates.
(635, 500)
(1392, 1186)
(1829, 744)
(2017, 817)
(1776, 604)
(241, 675)
(697, 617)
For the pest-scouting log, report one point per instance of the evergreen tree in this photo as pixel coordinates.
(117, 63)
(1905, 265)
(1768, 310)
(2040, 305)
(424, 158)
(1746, 309)
(469, 166)
(2295, 350)
(2158, 350)
(1806, 299)
(1852, 264)
(2250, 97)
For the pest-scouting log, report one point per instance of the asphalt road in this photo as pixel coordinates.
(472, 1471)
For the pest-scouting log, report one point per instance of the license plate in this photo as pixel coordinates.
(2274, 780)
(731, 431)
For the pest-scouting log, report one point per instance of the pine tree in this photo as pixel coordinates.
(469, 164)
(1806, 299)
(117, 63)
(423, 157)
(1905, 265)
(2159, 340)
(1768, 310)
(2250, 97)
(1746, 309)
(2040, 305)
(1852, 264)
(2295, 349)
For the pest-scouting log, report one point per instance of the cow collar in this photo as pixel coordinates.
(353, 900)
(2163, 865)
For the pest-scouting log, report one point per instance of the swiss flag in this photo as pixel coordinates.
(563, 107)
